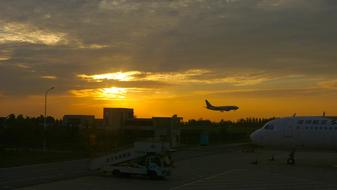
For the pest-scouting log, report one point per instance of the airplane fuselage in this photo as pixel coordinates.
(222, 108)
(298, 133)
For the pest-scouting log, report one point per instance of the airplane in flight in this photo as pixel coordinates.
(296, 133)
(220, 108)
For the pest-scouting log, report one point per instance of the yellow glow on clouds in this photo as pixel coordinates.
(4, 58)
(332, 84)
(101, 93)
(20, 32)
(4, 54)
(49, 77)
(144, 76)
(188, 76)
(120, 76)
(185, 76)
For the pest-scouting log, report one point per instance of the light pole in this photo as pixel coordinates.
(45, 119)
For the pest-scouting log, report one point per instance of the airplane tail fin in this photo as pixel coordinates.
(208, 104)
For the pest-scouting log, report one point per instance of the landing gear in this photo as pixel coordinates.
(152, 175)
(255, 162)
(291, 159)
(116, 173)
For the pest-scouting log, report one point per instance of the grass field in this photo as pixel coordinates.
(11, 158)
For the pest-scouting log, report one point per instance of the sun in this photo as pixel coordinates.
(113, 93)
(102, 93)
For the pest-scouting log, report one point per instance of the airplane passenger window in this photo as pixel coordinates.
(308, 122)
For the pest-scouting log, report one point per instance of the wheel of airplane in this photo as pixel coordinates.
(116, 173)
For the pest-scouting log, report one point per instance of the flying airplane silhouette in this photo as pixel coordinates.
(220, 108)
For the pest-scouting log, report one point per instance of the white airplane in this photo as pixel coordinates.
(293, 133)
(220, 108)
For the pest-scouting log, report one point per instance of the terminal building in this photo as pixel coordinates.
(159, 129)
(115, 118)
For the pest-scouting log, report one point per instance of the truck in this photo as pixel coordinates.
(147, 159)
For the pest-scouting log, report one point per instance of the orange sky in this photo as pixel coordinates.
(188, 106)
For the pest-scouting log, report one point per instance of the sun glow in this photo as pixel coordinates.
(101, 93)
(114, 93)
(120, 76)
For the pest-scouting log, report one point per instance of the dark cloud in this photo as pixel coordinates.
(234, 36)
(279, 93)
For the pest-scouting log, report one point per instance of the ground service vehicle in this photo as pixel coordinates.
(148, 159)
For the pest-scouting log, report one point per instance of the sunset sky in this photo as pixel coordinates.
(165, 57)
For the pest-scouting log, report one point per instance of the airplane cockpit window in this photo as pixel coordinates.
(269, 127)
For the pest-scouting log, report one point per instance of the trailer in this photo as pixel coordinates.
(147, 159)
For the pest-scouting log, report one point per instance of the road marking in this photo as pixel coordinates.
(207, 178)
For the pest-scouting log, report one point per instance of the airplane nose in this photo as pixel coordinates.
(254, 136)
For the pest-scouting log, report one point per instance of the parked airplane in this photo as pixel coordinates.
(293, 133)
(220, 108)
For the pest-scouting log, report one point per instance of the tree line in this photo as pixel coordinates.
(249, 122)
(28, 132)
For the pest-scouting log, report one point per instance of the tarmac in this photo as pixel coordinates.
(223, 167)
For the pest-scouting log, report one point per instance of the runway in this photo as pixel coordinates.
(224, 168)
